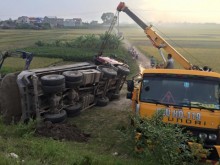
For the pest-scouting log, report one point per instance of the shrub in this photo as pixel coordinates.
(40, 43)
(166, 142)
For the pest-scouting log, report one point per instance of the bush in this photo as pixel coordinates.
(166, 142)
(40, 43)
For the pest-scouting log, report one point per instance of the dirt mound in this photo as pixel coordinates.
(62, 131)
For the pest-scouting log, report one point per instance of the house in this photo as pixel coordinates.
(69, 23)
(94, 23)
(23, 19)
(35, 20)
(78, 21)
(54, 21)
(73, 22)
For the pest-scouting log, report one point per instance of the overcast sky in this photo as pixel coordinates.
(148, 10)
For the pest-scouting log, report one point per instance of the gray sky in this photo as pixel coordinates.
(149, 10)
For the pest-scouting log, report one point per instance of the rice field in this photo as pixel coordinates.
(198, 43)
(10, 39)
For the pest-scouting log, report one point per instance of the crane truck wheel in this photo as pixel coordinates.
(53, 89)
(73, 110)
(103, 101)
(52, 80)
(56, 118)
(122, 70)
(73, 76)
(108, 72)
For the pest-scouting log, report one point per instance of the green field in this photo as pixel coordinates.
(198, 43)
(11, 39)
(107, 126)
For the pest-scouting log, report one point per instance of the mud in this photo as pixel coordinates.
(62, 131)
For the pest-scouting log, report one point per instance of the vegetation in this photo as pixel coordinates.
(17, 63)
(167, 143)
(111, 139)
(198, 43)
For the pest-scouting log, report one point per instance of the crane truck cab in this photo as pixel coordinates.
(189, 97)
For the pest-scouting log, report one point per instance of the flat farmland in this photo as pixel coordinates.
(110, 142)
(10, 39)
(198, 43)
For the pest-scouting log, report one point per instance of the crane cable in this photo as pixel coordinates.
(107, 34)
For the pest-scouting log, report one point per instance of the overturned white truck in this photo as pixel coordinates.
(54, 93)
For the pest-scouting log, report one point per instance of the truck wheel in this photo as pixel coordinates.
(53, 89)
(73, 110)
(115, 96)
(108, 72)
(112, 96)
(70, 84)
(102, 101)
(56, 118)
(73, 76)
(52, 80)
(122, 70)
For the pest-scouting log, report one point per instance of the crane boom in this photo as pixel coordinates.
(156, 39)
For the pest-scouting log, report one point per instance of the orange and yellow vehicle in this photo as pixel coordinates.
(189, 97)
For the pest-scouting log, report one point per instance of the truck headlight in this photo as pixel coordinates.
(212, 136)
(203, 136)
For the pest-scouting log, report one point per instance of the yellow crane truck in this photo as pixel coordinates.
(189, 97)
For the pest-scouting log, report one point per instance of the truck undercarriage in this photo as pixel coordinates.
(56, 92)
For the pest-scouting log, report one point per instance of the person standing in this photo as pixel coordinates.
(170, 62)
(152, 62)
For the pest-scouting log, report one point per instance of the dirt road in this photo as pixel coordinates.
(124, 103)
(142, 60)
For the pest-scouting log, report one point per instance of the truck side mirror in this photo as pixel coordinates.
(130, 85)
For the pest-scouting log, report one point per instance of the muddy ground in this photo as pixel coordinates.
(62, 131)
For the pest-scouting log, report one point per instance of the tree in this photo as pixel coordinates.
(107, 17)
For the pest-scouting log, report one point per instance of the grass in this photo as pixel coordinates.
(108, 126)
(14, 64)
(199, 44)
(10, 39)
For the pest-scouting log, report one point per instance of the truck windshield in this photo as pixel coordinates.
(198, 92)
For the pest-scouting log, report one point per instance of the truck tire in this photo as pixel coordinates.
(73, 76)
(108, 72)
(53, 89)
(115, 96)
(73, 110)
(52, 80)
(70, 84)
(122, 70)
(56, 118)
(103, 101)
(112, 96)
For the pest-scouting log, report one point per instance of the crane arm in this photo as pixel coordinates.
(156, 39)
